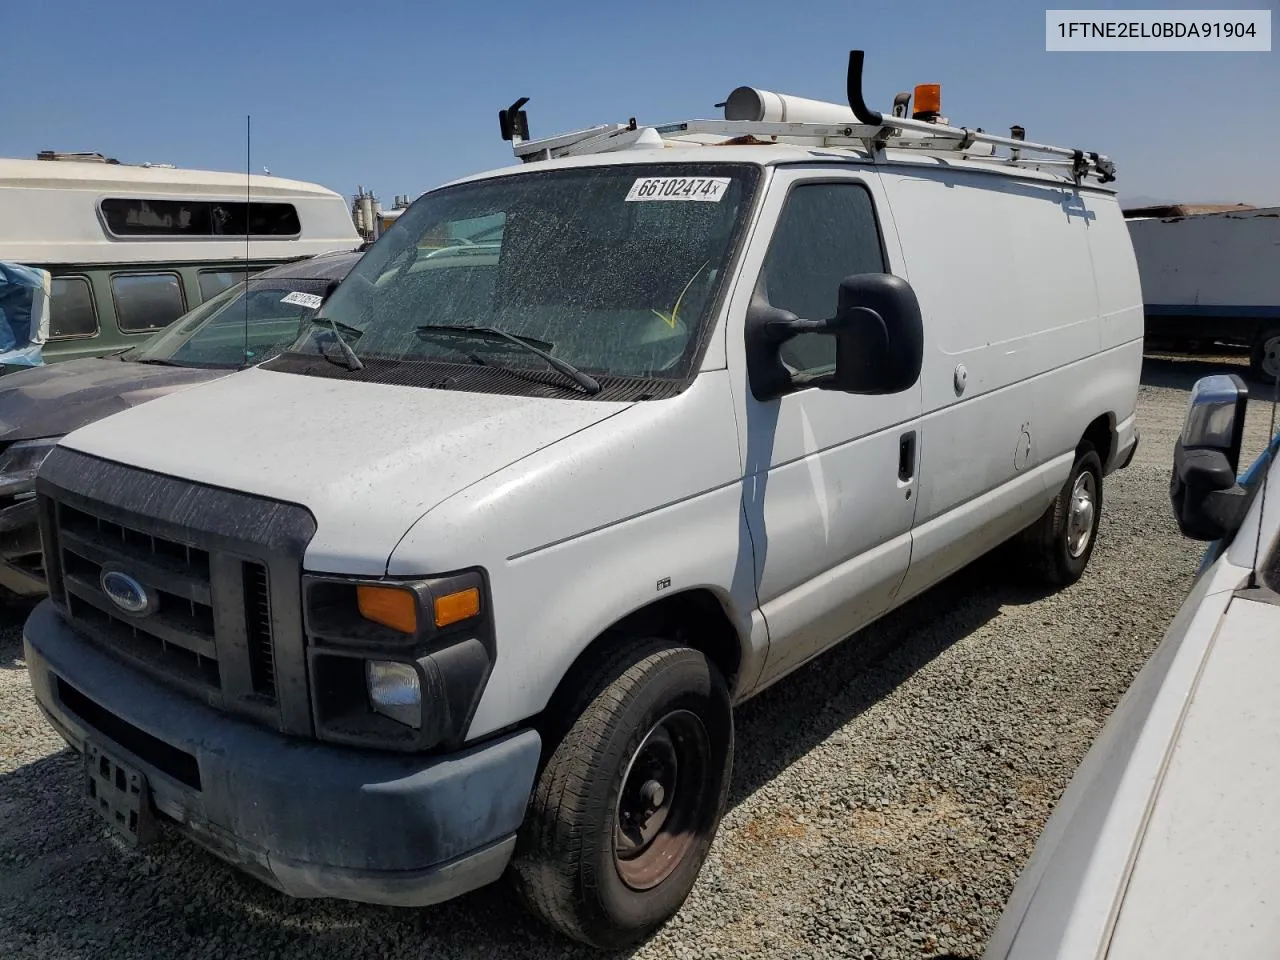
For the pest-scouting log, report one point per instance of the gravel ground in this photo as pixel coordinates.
(884, 798)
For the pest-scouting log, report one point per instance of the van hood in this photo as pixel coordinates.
(366, 459)
(51, 400)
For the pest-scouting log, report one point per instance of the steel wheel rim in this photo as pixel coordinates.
(1271, 357)
(656, 815)
(1081, 512)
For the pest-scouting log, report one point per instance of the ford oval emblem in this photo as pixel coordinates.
(125, 592)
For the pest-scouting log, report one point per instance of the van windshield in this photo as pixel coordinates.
(614, 270)
(222, 334)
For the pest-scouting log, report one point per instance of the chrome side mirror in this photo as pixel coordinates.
(1215, 416)
(1208, 503)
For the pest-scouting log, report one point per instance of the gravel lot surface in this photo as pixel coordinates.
(884, 799)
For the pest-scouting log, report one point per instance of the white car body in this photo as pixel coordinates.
(1165, 843)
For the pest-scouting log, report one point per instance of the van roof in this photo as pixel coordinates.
(55, 212)
(91, 175)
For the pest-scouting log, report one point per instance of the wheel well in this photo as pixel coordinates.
(1099, 434)
(693, 617)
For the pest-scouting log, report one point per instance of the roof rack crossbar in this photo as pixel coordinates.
(940, 139)
(873, 132)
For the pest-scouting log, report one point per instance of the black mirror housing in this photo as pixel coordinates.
(1207, 501)
(879, 337)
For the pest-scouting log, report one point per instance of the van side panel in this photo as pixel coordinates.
(1005, 279)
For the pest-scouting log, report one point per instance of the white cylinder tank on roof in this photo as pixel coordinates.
(750, 104)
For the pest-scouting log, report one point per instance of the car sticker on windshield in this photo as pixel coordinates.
(707, 189)
(303, 299)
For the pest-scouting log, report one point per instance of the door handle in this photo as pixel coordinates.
(907, 456)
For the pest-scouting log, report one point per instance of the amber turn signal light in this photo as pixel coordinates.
(456, 607)
(389, 606)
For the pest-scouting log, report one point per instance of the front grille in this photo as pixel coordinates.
(221, 572)
(179, 636)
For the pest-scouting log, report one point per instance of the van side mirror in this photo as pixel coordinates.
(879, 336)
(1208, 503)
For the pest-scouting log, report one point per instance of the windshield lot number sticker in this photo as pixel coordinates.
(707, 189)
(303, 299)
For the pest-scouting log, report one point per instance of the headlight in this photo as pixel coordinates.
(394, 691)
(397, 664)
(20, 462)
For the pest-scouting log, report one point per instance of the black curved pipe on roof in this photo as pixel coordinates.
(854, 91)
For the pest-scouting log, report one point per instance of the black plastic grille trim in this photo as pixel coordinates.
(257, 607)
(165, 757)
(225, 565)
(179, 636)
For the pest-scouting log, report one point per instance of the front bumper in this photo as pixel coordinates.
(310, 820)
(21, 564)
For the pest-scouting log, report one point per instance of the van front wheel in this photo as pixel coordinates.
(1061, 542)
(626, 808)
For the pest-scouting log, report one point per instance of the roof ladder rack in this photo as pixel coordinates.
(870, 131)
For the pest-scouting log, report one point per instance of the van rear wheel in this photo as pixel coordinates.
(625, 810)
(1060, 543)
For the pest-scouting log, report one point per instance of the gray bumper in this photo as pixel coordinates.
(308, 819)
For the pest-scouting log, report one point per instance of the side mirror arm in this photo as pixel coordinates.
(767, 328)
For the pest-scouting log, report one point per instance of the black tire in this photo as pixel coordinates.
(569, 866)
(1265, 353)
(1050, 544)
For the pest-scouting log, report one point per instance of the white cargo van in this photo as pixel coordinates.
(581, 454)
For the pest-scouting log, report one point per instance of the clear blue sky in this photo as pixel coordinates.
(402, 96)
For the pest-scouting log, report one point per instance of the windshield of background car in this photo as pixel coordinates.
(615, 269)
(222, 333)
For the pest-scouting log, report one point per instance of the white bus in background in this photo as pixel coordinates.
(133, 247)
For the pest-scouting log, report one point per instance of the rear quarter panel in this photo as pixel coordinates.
(1029, 287)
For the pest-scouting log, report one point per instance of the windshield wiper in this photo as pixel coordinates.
(537, 347)
(157, 362)
(352, 362)
(336, 326)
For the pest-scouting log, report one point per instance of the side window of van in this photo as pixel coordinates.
(147, 301)
(827, 232)
(71, 308)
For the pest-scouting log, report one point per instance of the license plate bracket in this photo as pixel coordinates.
(120, 794)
